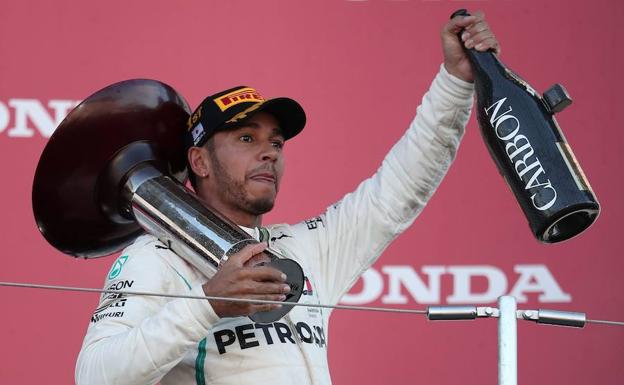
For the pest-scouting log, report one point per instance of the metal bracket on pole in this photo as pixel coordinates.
(454, 313)
(553, 317)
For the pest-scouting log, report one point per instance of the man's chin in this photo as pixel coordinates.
(262, 205)
(262, 198)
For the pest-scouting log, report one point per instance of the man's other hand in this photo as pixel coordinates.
(476, 34)
(238, 279)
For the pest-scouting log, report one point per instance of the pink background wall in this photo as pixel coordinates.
(359, 68)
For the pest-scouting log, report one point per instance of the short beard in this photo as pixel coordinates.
(234, 191)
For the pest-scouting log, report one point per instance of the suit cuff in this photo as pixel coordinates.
(454, 88)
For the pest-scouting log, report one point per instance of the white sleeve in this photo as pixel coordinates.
(138, 339)
(352, 233)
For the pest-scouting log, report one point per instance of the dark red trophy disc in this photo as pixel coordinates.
(74, 199)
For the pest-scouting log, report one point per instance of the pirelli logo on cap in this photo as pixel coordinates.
(239, 96)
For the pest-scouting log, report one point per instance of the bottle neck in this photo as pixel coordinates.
(485, 64)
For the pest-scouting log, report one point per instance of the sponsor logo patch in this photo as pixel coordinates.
(243, 115)
(96, 317)
(194, 118)
(308, 287)
(236, 97)
(114, 304)
(197, 131)
(280, 236)
(116, 269)
(120, 285)
(314, 223)
(253, 335)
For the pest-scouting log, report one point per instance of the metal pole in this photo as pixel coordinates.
(507, 342)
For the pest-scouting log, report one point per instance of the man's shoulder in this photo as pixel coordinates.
(150, 264)
(304, 234)
(147, 246)
(147, 253)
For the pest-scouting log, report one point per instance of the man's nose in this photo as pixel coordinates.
(269, 152)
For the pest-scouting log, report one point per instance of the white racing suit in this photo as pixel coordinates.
(144, 340)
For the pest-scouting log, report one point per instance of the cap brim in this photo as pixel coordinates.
(288, 113)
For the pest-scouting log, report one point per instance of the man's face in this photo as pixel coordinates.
(246, 164)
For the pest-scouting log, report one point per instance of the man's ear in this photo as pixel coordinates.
(198, 160)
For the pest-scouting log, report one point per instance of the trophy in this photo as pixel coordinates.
(116, 167)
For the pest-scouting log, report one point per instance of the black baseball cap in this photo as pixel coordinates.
(229, 108)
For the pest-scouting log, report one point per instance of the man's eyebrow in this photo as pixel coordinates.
(249, 124)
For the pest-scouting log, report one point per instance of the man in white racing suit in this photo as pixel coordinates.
(235, 158)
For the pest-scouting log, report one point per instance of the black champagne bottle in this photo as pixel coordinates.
(529, 149)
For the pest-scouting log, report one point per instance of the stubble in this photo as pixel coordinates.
(233, 191)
